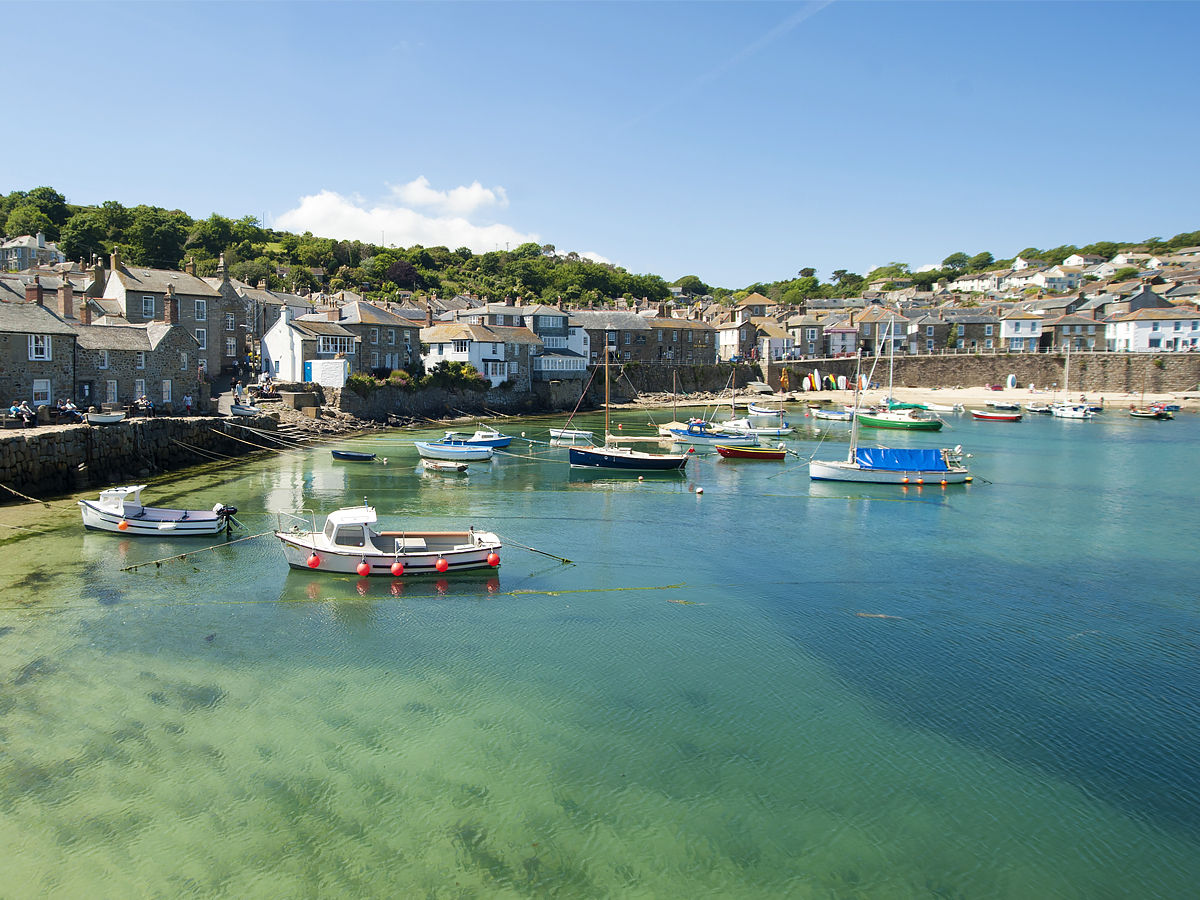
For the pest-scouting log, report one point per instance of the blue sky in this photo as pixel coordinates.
(738, 142)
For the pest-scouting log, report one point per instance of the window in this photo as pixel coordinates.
(183, 361)
(110, 391)
(140, 360)
(961, 343)
(987, 330)
(810, 334)
(674, 335)
(230, 347)
(407, 336)
(374, 335)
(929, 345)
(1153, 327)
(1016, 327)
(374, 359)
(41, 391)
(147, 307)
(628, 337)
(166, 390)
(102, 361)
(39, 346)
(660, 334)
(202, 338)
(512, 367)
(1178, 326)
(139, 387)
(866, 329)
(201, 310)
(461, 346)
(392, 336)
(929, 331)
(334, 344)
(1091, 329)
(230, 322)
(988, 343)
(349, 536)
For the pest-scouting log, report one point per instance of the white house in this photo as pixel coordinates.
(841, 340)
(499, 353)
(1058, 278)
(305, 350)
(1022, 262)
(1150, 329)
(979, 282)
(1020, 330)
(1083, 259)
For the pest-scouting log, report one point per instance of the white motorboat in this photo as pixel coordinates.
(120, 511)
(104, 418)
(453, 452)
(349, 545)
(443, 465)
(483, 437)
(1071, 411)
(244, 409)
(698, 431)
(745, 427)
(571, 435)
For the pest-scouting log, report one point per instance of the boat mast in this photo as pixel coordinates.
(606, 433)
(854, 415)
(891, 357)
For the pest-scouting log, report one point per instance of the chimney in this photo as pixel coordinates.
(429, 317)
(96, 288)
(262, 284)
(333, 314)
(41, 240)
(170, 307)
(85, 313)
(190, 266)
(508, 301)
(33, 291)
(66, 298)
(222, 273)
(116, 259)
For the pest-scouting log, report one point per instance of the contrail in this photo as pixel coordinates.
(809, 9)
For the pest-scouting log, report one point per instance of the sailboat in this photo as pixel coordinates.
(909, 419)
(879, 465)
(618, 458)
(665, 430)
(1065, 409)
(1154, 410)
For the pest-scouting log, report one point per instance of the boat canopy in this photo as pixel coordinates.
(354, 515)
(905, 459)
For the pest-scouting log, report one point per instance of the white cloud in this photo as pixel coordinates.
(332, 215)
(596, 257)
(459, 201)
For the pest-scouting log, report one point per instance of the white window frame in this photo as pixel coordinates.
(332, 343)
(110, 390)
(40, 349)
(139, 388)
(202, 338)
(102, 360)
(391, 337)
(41, 391)
(462, 346)
(201, 310)
(374, 335)
(231, 346)
(182, 360)
(166, 390)
(147, 307)
(140, 360)
(230, 321)
(374, 359)
(987, 330)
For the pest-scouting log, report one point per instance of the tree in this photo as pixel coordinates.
(403, 274)
(1124, 273)
(83, 235)
(956, 262)
(952, 336)
(27, 219)
(54, 205)
(691, 284)
(980, 261)
(807, 272)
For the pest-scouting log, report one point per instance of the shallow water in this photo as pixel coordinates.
(771, 688)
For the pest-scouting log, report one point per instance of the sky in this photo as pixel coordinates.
(739, 142)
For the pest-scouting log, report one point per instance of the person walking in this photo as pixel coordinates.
(187, 404)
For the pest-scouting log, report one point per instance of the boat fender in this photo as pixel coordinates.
(363, 569)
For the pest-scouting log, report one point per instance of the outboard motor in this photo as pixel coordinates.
(225, 512)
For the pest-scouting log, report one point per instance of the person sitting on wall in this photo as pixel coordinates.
(27, 414)
(144, 405)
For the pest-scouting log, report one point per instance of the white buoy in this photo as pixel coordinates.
(699, 490)
(385, 460)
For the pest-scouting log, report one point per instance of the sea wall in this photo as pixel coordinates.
(436, 403)
(44, 462)
(1090, 372)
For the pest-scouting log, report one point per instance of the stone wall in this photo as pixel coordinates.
(44, 462)
(1090, 372)
(436, 403)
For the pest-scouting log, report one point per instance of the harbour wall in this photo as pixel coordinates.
(48, 461)
(387, 401)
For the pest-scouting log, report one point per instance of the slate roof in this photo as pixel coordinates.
(30, 318)
(611, 319)
(459, 331)
(319, 326)
(137, 278)
(1155, 313)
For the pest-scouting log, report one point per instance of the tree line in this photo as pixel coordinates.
(162, 238)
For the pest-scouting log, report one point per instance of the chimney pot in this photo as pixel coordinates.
(33, 291)
(85, 313)
(66, 298)
(116, 259)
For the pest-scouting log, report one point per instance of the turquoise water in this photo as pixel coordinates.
(770, 688)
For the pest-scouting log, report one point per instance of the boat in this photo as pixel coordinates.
(120, 510)
(832, 415)
(905, 419)
(571, 435)
(750, 452)
(104, 418)
(244, 409)
(349, 545)
(996, 415)
(698, 431)
(944, 407)
(745, 427)
(996, 404)
(483, 437)
(1153, 411)
(443, 465)
(622, 459)
(1064, 409)
(453, 452)
(352, 456)
(755, 410)
(1043, 408)
(880, 465)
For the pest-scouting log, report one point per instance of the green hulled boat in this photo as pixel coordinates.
(908, 419)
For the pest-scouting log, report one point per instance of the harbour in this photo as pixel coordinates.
(745, 683)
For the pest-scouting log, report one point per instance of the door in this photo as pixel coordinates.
(308, 371)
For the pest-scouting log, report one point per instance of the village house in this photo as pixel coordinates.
(808, 335)
(37, 348)
(1020, 330)
(626, 334)
(293, 346)
(687, 341)
(1149, 329)
(1083, 259)
(564, 348)
(386, 341)
(928, 333)
(28, 251)
(1080, 332)
(500, 353)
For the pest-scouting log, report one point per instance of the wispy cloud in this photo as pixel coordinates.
(330, 214)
